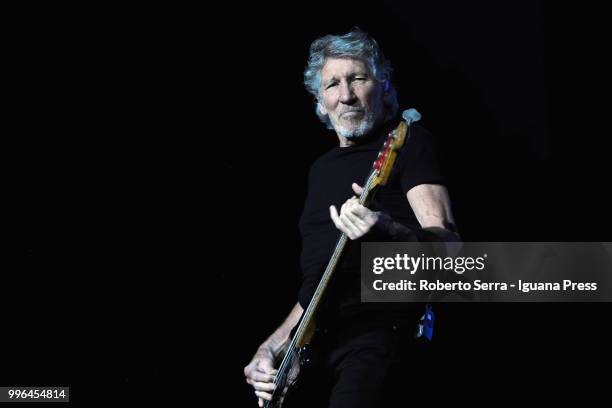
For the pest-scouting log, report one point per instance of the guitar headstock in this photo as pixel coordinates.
(388, 154)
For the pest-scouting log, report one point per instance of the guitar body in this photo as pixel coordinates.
(297, 359)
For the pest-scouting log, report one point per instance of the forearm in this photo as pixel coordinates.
(397, 231)
(280, 337)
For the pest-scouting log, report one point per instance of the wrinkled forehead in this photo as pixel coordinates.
(339, 67)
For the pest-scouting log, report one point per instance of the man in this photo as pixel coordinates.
(350, 80)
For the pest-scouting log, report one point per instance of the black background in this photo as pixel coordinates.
(160, 164)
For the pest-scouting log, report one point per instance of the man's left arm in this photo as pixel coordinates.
(430, 204)
(432, 208)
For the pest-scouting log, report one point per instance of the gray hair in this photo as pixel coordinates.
(354, 44)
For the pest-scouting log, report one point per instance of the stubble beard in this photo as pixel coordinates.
(365, 126)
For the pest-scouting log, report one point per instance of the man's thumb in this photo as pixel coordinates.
(357, 188)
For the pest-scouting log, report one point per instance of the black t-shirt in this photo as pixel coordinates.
(329, 182)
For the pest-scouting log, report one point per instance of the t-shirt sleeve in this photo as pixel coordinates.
(418, 162)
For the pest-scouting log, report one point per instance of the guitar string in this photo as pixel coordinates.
(309, 310)
(289, 356)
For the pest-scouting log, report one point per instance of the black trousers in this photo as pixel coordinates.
(361, 364)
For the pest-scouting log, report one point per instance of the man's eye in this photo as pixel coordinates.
(331, 85)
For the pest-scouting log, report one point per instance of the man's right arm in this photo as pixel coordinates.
(279, 339)
(260, 371)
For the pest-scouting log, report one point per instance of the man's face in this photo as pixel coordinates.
(350, 96)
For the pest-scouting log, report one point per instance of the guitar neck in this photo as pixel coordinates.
(341, 244)
(378, 176)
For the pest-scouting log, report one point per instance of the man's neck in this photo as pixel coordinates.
(346, 142)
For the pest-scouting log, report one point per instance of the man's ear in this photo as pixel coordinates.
(321, 108)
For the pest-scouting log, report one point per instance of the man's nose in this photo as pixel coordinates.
(347, 96)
